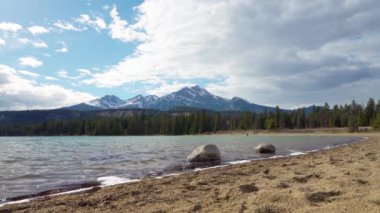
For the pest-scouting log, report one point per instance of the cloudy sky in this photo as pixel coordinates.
(288, 53)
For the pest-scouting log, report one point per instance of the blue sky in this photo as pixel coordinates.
(287, 53)
(87, 49)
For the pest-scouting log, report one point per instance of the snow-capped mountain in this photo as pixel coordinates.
(107, 102)
(140, 101)
(192, 97)
(195, 97)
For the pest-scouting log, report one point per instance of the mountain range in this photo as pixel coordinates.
(187, 97)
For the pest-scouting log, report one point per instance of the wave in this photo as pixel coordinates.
(295, 153)
(114, 180)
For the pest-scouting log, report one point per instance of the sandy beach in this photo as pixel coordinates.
(342, 179)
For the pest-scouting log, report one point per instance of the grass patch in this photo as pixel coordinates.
(282, 185)
(361, 181)
(248, 188)
(268, 209)
(318, 197)
(304, 179)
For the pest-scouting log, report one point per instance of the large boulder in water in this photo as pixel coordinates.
(266, 148)
(208, 153)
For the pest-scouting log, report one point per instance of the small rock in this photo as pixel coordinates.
(197, 207)
(266, 148)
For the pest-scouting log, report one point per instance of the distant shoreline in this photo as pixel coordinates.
(317, 131)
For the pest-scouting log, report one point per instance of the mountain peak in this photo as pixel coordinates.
(110, 97)
(151, 97)
(139, 101)
(196, 88)
(139, 96)
(107, 101)
(237, 99)
(193, 91)
(190, 97)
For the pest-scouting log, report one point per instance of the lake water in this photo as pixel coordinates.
(30, 165)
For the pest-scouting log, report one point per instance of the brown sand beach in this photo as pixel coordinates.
(342, 179)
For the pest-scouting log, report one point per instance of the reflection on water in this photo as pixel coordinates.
(30, 165)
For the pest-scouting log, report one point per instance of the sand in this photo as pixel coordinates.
(343, 179)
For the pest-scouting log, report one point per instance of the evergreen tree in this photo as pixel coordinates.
(269, 124)
(369, 112)
(277, 117)
(325, 116)
(376, 122)
(377, 107)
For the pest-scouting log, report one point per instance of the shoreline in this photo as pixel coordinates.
(311, 131)
(89, 185)
(36, 203)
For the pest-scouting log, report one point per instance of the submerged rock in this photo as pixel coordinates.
(266, 148)
(208, 153)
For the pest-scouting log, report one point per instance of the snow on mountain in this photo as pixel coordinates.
(107, 102)
(193, 97)
(134, 102)
(140, 101)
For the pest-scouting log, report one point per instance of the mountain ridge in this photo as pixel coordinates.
(192, 97)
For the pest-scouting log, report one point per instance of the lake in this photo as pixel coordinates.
(30, 165)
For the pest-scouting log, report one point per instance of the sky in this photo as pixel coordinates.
(288, 53)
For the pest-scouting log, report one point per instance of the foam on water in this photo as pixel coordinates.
(15, 202)
(114, 180)
(239, 162)
(52, 195)
(295, 153)
(71, 192)
(207, 168)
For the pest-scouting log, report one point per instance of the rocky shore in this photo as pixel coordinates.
(343, 179)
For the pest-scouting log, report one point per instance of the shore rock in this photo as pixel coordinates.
(208, 153)
(266, 148)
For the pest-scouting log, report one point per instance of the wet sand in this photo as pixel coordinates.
(343, 179)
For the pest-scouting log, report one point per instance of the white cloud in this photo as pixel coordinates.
(63, 74)
(269, 52)
(30, 61)
(63, 49)
(36, 30)
(97, 22)
(120, 29)
(24, 40)
(10, 27)
(2, 42)
(84, 72)
(67, 26)
(106, 7)
(39, 44)
(166, 88)
(18, 93)
(36, 44)
(49, 78)
(29, 73)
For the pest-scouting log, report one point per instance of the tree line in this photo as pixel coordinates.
(349, 115)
